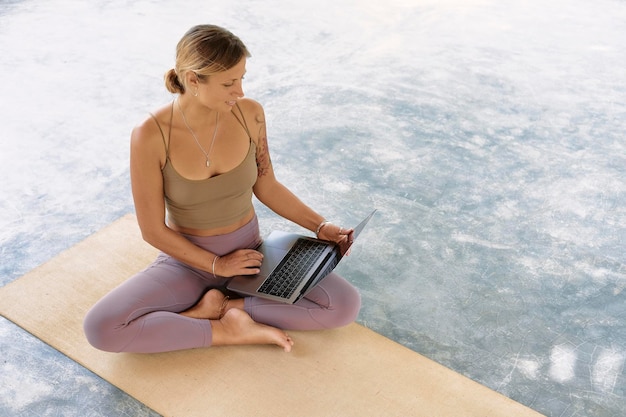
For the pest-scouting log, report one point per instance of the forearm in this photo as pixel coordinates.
(284, 203)
(174, 244)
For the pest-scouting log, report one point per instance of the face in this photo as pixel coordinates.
(222, 90)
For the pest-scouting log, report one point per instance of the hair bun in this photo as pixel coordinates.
(172, 82)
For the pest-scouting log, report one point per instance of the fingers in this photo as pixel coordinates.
(249, 261)
(350, 234)
(250, 255)
(241, 262)
(343, 237)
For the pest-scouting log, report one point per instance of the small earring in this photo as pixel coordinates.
(195, 94)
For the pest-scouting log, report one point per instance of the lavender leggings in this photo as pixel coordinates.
(141, 315)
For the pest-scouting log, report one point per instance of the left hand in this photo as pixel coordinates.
(339, 235)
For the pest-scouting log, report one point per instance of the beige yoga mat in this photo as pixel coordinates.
(350, 371)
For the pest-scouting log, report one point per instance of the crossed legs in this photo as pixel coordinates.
(170, 306)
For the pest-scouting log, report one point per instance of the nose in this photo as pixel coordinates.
(238, 90)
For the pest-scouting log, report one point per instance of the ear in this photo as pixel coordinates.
(192, 79)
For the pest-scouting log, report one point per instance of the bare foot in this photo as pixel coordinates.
(238, 328)
(210, 306)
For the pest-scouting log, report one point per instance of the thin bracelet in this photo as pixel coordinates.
(319, 228)
(214, 259)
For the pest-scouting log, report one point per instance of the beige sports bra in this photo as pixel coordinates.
(213, 202)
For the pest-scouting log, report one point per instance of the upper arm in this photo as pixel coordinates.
(147, 156)
(255, 117)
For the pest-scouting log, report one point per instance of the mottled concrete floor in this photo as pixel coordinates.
(488, 134)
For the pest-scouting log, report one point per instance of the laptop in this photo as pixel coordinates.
(292, 265)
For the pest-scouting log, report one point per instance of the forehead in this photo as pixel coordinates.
(233, 73)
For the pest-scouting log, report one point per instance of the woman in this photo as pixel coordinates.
(199, 160)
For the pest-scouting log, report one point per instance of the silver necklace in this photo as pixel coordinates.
(206, 154)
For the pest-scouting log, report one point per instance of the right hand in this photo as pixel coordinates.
(239, 262)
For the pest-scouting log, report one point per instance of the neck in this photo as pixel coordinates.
(195, 113)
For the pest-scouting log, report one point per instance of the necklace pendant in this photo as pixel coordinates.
(208, 163)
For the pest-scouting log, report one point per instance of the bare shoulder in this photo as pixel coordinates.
(254, 114)
(252, 110)
(153, 124)
(149, 135)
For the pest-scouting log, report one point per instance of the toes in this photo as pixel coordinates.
(288, 343)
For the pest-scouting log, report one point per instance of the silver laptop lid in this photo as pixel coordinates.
(359, 228)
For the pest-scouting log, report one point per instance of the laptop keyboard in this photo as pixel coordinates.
(282, 282)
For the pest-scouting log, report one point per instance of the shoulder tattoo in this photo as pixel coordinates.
(263, 161)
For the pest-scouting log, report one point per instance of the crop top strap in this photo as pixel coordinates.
(166, 143)
(242, 122)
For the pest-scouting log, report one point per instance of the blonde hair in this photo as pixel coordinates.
(204, 50)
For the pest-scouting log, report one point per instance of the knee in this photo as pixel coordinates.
(345, 303)
(99, 331)
(348, 305)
